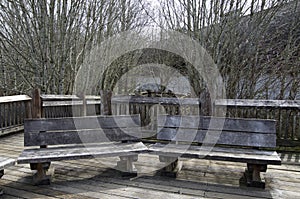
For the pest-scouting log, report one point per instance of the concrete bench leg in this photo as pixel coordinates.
(126, 165)
(173, 168)
(40, 177)
(252, 175)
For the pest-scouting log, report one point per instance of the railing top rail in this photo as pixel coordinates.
(68, 100)
(69, 103)
(258, 103)
(69, 97)
(14, 98)
(155, 100)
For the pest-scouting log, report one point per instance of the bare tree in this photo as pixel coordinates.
(240, 36)
(44, 42)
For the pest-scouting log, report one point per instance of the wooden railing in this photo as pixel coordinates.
(149, 107)
(286, 112)
(13, 111)
(69, 105)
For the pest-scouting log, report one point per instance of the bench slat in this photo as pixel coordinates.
(94, 129)
(81, 136)
(76, 123)
(214, 130)
(215, 137)
(80, 152)
(217, 153)
(230, 124)
(5, 162)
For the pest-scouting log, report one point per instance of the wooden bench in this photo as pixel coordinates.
(80, 138)
(4, 163)
(238, 140)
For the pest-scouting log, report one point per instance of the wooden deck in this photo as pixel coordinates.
(93, 179)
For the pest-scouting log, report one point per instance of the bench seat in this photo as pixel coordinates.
(245, 155)
(250, 141)
(36, 155)
(4, 163)
(71, 138)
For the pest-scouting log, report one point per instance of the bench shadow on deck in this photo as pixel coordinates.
(94, 179)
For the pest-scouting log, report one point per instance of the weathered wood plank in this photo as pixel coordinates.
(51, 131)
(80, 152)
(156, 100)
(5, 162)
(82, 190)
(15, 98)
(69, 103)
(230, 154)
(234, 138)
(21, 193)
(67, 97)
(61, 188)
(36, 104)
(227, 131)
(215, 123)
(124, 187)
(181, 186)
(18, 178)
(258, 103)
(77, 123)
(193, 179)
(9, 197)
(82, 136)
(119, 190)
(210, 190)
(106, 96)
(11, 129)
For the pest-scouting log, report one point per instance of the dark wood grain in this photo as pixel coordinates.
(77, 123)
(54, 131)
(219, 137)
(106, 96)
(231, 133)
(215, 123)
(82, 136)
(213, 130)
(80, 152)
(217, 153)
(36, 104)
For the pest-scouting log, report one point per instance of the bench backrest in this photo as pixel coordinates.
(77, 130)
(214, 130)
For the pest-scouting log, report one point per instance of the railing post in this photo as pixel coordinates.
(40, 176)
(84, 106)
(36, 104)
(106, 102)
(28, 113)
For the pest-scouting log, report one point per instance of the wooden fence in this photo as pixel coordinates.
(13, 111)
(149, 107)
(69, 105)
(286, 112)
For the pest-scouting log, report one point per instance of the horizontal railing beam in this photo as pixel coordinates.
(15, 98)
(156, 100)
(69, 103)
(258, 103)
(68, 97)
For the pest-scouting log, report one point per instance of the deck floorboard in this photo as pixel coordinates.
(96, 178)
